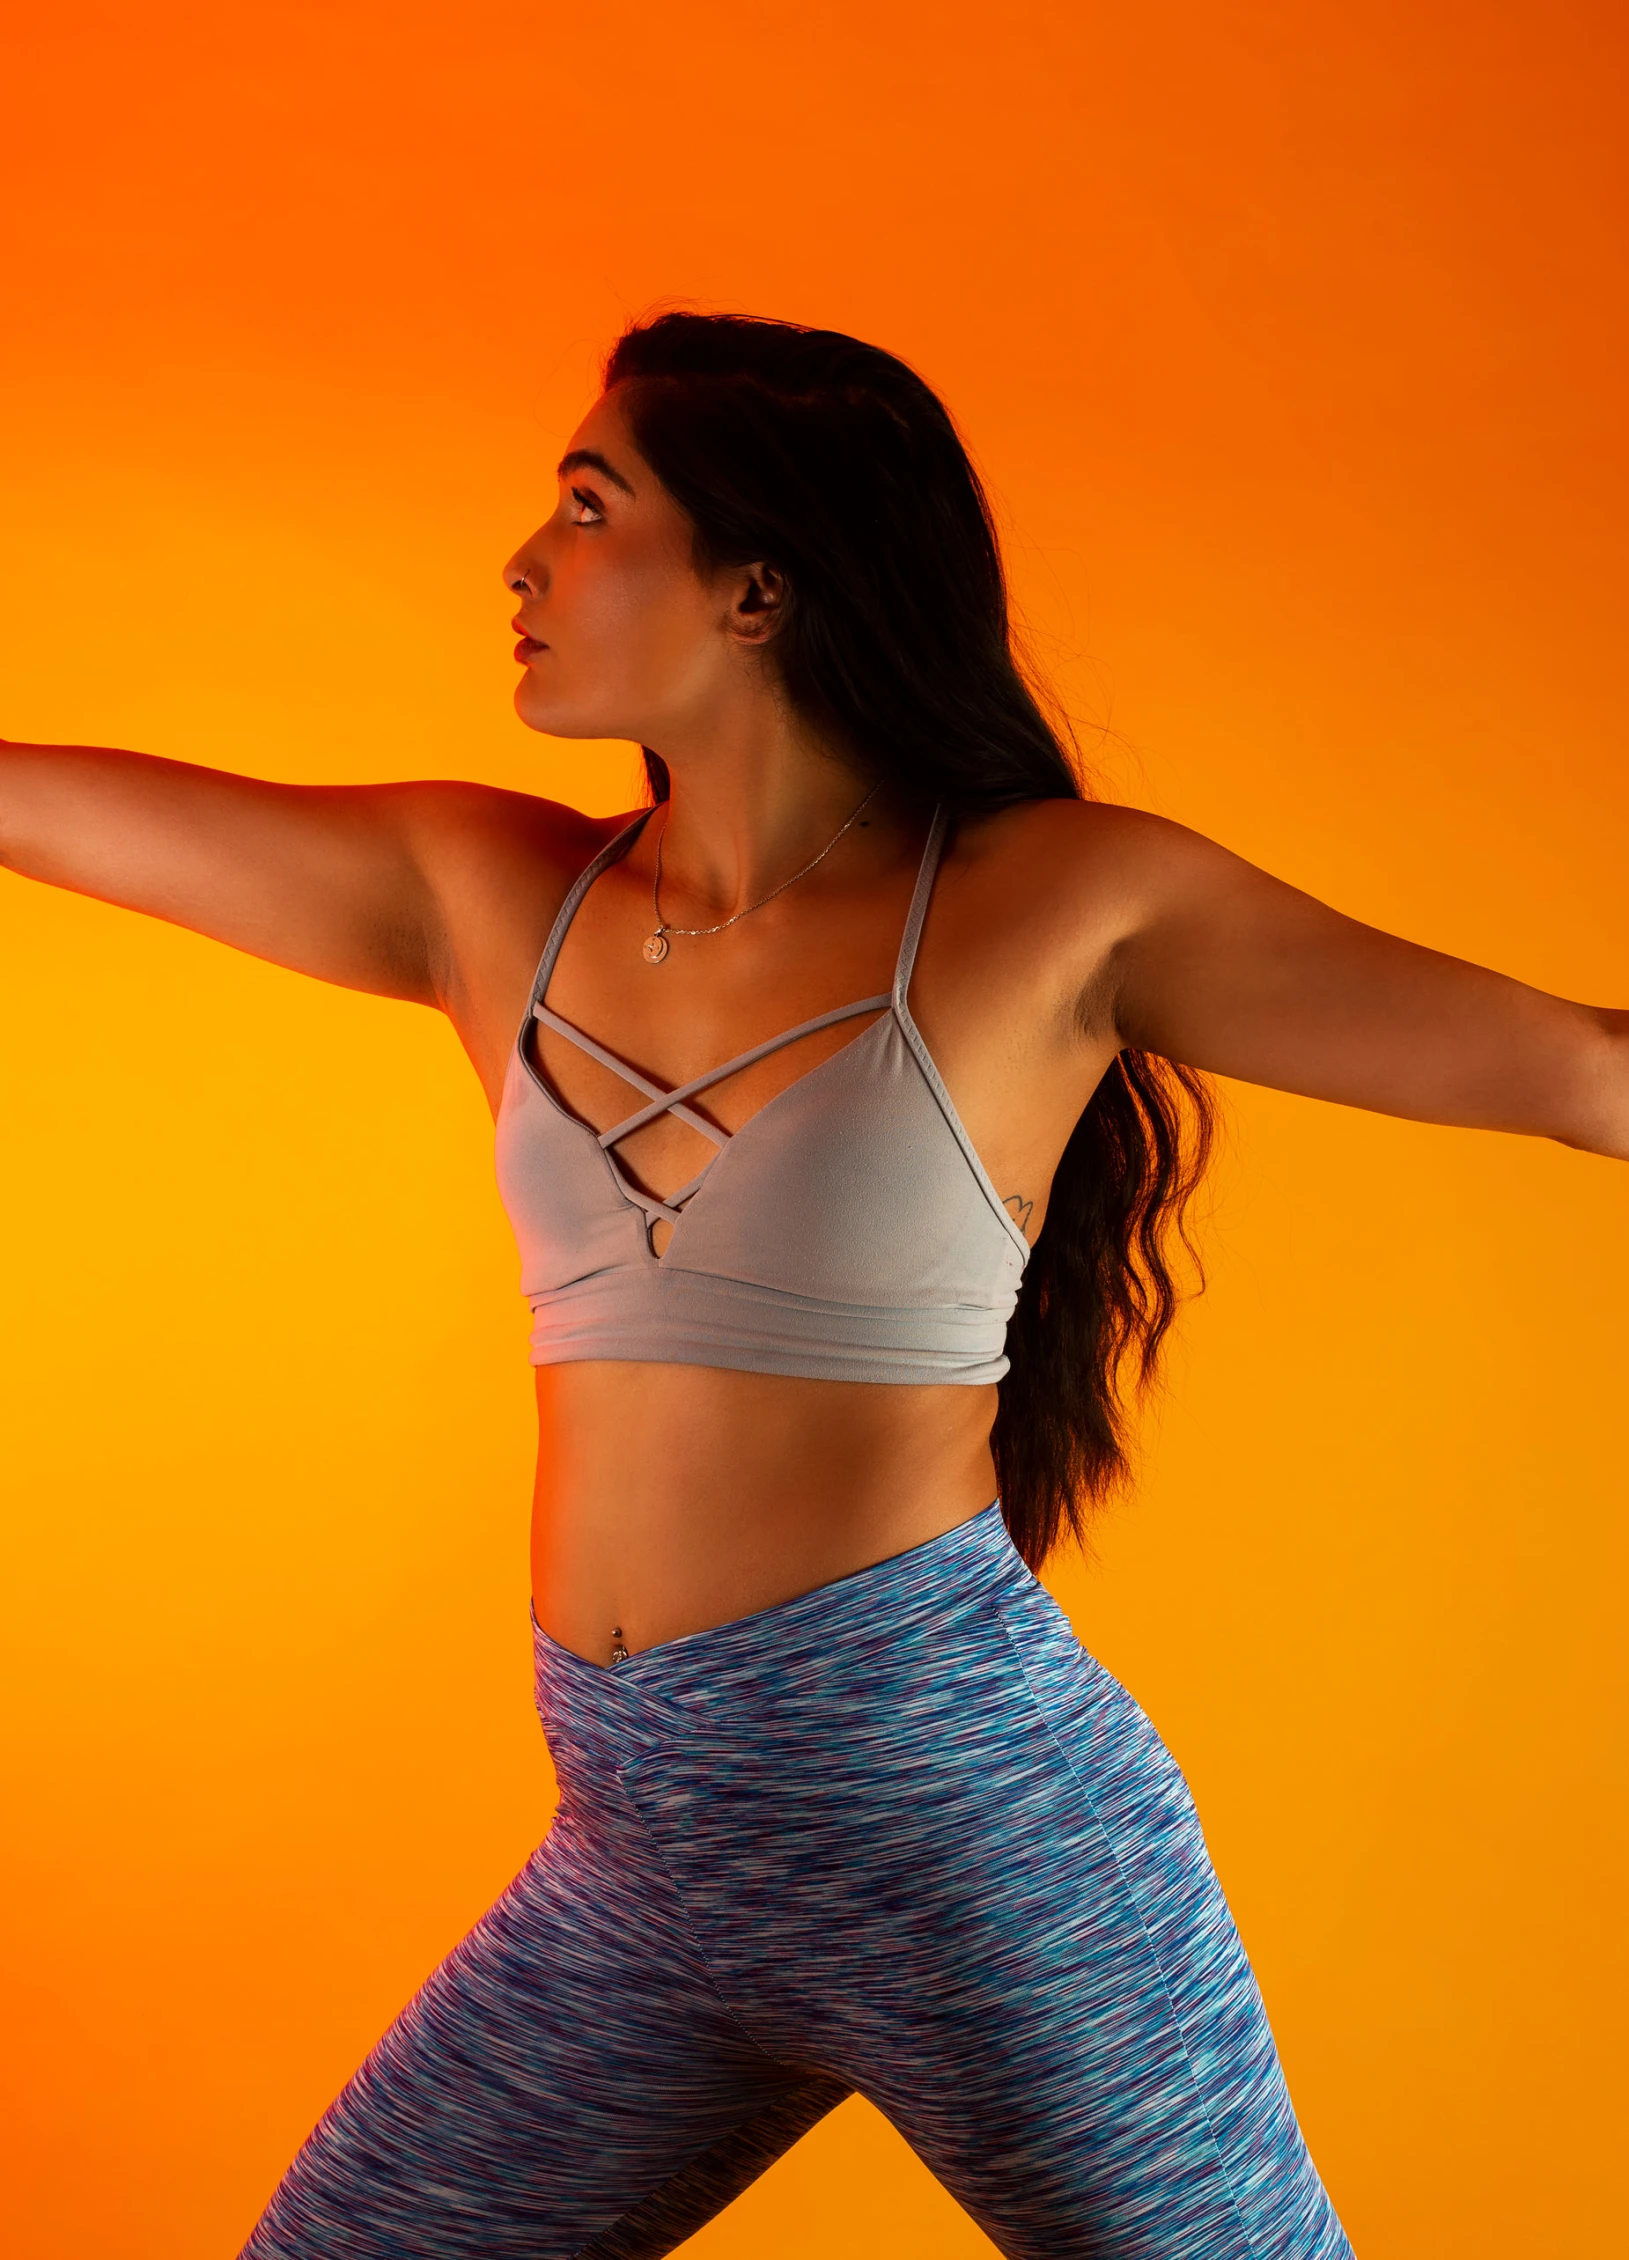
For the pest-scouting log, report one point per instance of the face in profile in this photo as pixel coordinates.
(621, 636)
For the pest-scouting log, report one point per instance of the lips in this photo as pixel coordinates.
(528, 648)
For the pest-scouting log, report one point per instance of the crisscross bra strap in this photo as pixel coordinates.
(675, 1102)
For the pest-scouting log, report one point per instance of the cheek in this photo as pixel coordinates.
(628, 648)
(650, 615)
(638, 610)
(654, 657)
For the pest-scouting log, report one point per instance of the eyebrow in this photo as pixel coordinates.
(585, 459)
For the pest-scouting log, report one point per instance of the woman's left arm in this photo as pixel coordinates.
(1222, 967)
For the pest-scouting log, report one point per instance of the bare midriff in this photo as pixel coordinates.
(672, 1498)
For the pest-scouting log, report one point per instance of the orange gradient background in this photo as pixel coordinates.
(1291, 342)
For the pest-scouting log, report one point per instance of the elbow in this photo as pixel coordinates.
(1599, 1119)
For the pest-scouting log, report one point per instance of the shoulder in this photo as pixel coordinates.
(457, 830)
(1069, 850)
(488, 855)
(496, 866)
(1049, 898)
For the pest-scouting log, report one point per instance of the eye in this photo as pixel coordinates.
(585, 508)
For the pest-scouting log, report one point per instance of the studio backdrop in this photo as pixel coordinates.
(1291, 341)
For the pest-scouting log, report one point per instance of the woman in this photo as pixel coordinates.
(855, 1094)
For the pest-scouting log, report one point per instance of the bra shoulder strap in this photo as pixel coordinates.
(609, 854)
(919, 902)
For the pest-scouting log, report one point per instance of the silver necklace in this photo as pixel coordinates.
(655, 946)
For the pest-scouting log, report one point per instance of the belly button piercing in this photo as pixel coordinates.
(619, 1654)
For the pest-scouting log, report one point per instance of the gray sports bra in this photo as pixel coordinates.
(847, 1231)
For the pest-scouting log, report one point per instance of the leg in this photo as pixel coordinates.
(1128, 2100)
(980, 1895)
(567, 2083)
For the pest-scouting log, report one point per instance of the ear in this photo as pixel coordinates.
(759, 604)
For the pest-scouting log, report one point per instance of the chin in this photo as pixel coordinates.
(555, 718)
(539, 712)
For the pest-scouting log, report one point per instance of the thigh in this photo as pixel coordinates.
(566, 2083)
(983, 1899)
(1124, 2098)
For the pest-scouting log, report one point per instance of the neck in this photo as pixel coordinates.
(743, 817)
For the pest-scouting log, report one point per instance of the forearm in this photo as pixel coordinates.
(101, 821)
(38, 788)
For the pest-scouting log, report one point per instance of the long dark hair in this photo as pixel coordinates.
(834, 462)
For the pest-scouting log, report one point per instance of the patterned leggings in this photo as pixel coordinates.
(900, 1835)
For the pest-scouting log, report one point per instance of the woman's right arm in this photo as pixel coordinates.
(346, 882)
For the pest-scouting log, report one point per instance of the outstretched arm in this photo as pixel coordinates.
(1228, 969)
(351, 883)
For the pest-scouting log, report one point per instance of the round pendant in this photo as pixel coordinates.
(655, 948)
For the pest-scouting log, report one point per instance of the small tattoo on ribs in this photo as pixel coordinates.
(1022, 1210)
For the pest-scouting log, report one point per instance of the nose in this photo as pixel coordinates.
(519, 577)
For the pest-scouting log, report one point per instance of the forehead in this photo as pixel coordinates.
(604, 431)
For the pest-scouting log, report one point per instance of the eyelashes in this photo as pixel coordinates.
(585, 503)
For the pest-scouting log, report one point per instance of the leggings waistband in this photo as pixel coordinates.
(793, 1656)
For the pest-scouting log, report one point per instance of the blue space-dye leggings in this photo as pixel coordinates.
(900, 1835)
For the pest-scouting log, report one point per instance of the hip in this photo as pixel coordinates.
(932, 1694)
